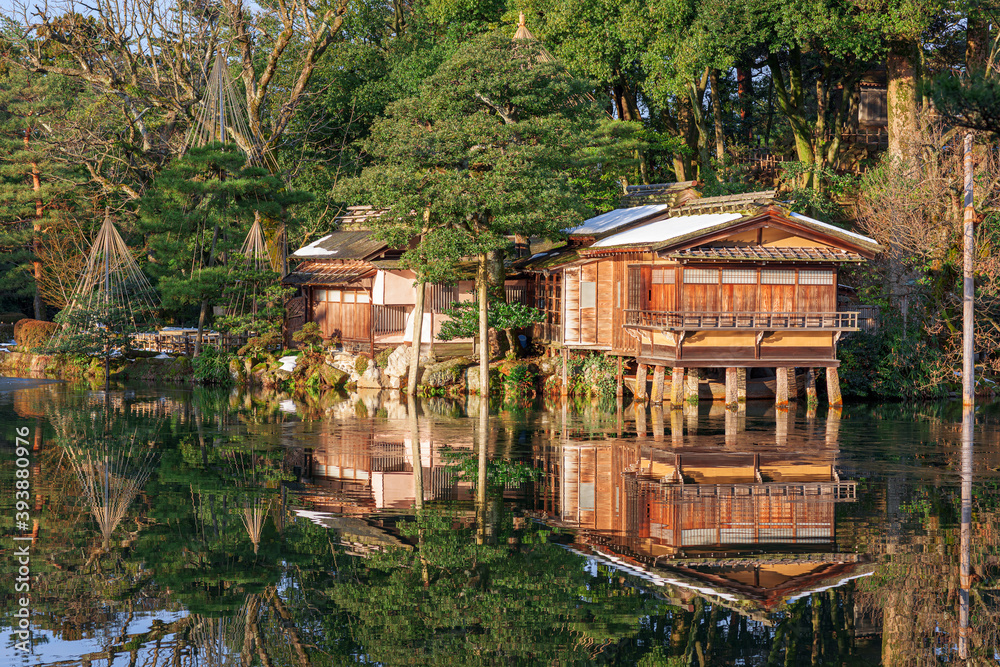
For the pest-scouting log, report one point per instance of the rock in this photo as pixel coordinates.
(445, 373)
(237, 371)
(332, 377)
(282, 375)
(549, 365)
(398, 363)
(371, 379)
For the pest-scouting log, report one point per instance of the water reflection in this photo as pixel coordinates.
(292, 530)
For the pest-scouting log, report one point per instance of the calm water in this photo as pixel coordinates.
(213, 528)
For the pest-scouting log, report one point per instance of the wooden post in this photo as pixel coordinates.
(731, 381)
(968, 287)
(811, 388)
(619, 380)
(741, 387)
(833, 388)
(677, 388)
(657, 396)
(564, 389)
(640, 382)
(781, 387)
(691, 387)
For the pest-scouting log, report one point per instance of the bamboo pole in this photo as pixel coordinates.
(968, 286)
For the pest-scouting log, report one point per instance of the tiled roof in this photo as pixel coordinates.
(342, 245)
(768, 254)
(328, 272)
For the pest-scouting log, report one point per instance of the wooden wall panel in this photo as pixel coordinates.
(588, 315)
(817, 298)
(571, 291)
(777, 298)
(605, 301)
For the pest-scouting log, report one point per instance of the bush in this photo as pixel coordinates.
(261, 345)
(382, 358)
(308, 336)
(361, 364)
(519, 382)
(212, 367)
(885, 364)
(33, 334)
(594, 374)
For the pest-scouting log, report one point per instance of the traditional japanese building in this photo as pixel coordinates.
(725, 283)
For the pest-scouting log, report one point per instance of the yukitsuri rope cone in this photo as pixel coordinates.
(112, 467)
(112, 291)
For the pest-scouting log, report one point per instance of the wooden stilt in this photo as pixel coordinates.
(640, 420)
(640, 382)
(833, 387)
(793, 387)
(564, 389)
(741, 386)
(619, 390)
(811, 387)
(677, 425)
(657, 394)
(691, 387)
(781, 388)
(677, 389)
(731, 381)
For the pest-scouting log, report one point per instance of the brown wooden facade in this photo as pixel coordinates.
(757, 289)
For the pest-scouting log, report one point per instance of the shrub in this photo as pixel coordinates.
(594, 374)
(262, 344)
(212, 367)
(308, 336)
(382, 358)
(33, 334)
(519, 381)
(361, 364)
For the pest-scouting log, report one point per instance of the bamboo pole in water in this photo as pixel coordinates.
(968, 286)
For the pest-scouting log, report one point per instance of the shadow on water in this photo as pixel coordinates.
(206, 527)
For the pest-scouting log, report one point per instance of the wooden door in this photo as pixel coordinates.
(701, 290)
(777, 290)
(817, 291)
(739, 290)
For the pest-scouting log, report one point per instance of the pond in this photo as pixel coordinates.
(205, 527)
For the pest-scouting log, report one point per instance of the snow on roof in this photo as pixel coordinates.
(663, 231)
(834, 229)
(611, 220)
(313, 249)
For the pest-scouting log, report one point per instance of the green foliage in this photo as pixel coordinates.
(94, 331)
(519, 382)
(212, 367)
(593, 375)
(254, 299)
(361, 364)
(382, 358)
(890, 363)
(262, 345)
(309, 336)
(971, 101)
(500, 473)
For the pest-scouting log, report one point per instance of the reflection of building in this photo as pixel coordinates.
(356, 471)
(755, 526)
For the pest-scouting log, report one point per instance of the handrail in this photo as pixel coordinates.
(683, 320)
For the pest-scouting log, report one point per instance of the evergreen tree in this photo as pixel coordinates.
(196, 217)
(36, 189)
(489, 148)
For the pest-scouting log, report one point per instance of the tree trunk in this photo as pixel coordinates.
(901, 100)
(204, 302)
(744, 83)
(36, 239)
(484, 349)
(418, 332)
(720, 147)
(977, 40)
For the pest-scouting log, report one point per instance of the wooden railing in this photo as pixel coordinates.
(183, 341)
(661, 319)
(388, 319)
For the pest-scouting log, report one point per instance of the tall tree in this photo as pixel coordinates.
(488, 149)
(198, 214)
(36, 189)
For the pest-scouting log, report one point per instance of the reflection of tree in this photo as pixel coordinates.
(111, 462)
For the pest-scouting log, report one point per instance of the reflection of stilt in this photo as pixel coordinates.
(481, 509)
(656, 412)
(833, 427)
(732, 427)
(640, 420)
(691, 412)
(781, 427)
(677, 426)
(964, 567)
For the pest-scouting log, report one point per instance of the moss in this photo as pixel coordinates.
(361, 364)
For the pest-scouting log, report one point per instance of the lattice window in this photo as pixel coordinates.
(664, 276)
(777, 277)
(739, 276)
(810, 277)
(701, 276)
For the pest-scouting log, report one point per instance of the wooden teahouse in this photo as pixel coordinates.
(718, 283)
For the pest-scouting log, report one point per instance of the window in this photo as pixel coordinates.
(333, 295)
(739, 276)
(701, 276)
(777, 277)
(588, 295)
(663, 276)
(319, 295)
(815, 277)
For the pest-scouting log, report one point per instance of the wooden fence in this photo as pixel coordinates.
(183, 341)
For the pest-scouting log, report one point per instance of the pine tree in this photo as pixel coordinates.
(196, 216)
(36, 189)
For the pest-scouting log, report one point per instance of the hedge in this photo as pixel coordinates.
(31, 334)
